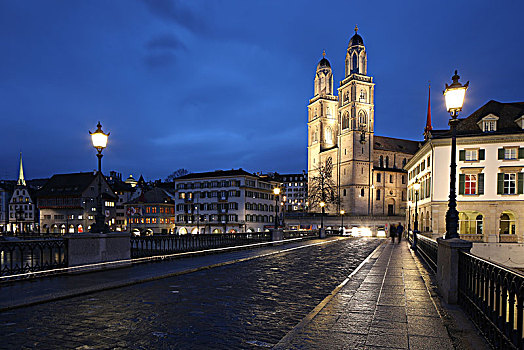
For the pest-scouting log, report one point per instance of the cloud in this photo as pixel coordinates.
(177, 12)
(165, 42)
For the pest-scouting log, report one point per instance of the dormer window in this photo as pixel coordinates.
(488, 123)
(490, 126)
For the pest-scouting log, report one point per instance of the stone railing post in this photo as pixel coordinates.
(93, 248)
(277, 235)
(448, 266)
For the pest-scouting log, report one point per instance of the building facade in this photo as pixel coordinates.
(366, 169)
(490, 177)
(23, 216)
(67, 203)
(153, 212)
(223, 201)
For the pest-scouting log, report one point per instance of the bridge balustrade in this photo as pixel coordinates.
(23, 256)
(161, 245)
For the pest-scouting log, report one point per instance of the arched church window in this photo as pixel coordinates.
(328, 112)
(404, 162)
(345, 121)
(362, 118)
(387, 161)
(381, 161)
(346, 97)
(329, 135)
(354, 61)
(362, 95)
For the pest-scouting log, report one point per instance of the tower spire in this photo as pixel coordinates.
(21, 180)
(428, 127)
(356, 29)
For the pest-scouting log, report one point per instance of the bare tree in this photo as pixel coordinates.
(322, 188)
(176, 174)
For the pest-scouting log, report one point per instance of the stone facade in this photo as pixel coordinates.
(366, 169)
(223, 201)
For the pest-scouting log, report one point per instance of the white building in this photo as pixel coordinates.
(223, 201)
(490, 177)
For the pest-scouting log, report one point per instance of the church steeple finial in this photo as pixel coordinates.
(21, 180)
(356, 29)
(324, 54)
(428, 127)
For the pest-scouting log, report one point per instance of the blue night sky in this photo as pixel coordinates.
(207, 85)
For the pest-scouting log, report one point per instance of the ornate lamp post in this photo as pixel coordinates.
(410, 203)
(284, 199)
(276, 192)
(322, 205)
(99, 140)
(416, 187)
(454, 95)
(342, 212)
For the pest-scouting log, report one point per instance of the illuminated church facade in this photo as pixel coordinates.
(367, 169)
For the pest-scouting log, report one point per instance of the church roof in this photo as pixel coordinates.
(384, 143)
(324, 63)
(356, 40)
(507, 113)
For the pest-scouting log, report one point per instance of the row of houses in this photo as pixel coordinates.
(209, 202)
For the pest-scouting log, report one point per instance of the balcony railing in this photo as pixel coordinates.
(493, 296)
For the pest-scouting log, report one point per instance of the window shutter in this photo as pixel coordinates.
(462, 155)
(521, 153)
(520, 186)
(482, 154)
(462, 184)
(500, 182)
(480, 183)
(501, 153)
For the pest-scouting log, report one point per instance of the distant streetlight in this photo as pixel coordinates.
(322, 205)
(342, 212)
(99, 140)
(276, 192)
(410, 203)
(454, 95)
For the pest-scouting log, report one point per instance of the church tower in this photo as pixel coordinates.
(356, 115)
(323, 126)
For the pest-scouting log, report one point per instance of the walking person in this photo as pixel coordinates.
(400, 230)
(392, 232)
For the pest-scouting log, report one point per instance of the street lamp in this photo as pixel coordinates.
(99, 140)
(322, 205)
(454, 95)
(416, 187)
(342, 212)
(276, 192)
(410, 203)
(284, 199)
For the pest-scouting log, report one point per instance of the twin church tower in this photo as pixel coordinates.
(366, 169)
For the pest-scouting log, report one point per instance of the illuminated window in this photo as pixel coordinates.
(509, 183)
(471, 155)
(510, 153)
(470, 184)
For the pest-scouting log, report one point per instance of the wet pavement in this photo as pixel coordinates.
(385, 305)
(247, 304)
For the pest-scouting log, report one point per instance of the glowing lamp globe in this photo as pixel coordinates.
(99, 138)
(454, 95)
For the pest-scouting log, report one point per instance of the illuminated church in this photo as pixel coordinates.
(367, 169)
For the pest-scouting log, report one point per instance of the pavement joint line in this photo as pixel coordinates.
(286, 340)
(109, 286)
(122, 263)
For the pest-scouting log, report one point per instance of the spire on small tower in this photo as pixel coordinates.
(21, 180)
(324, 54)
(428, 127)
(356, 29)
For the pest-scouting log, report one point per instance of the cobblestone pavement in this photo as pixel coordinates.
(245, 305)
(385, 305)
